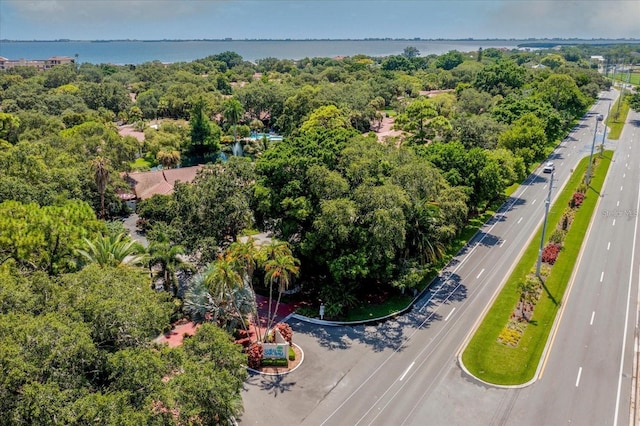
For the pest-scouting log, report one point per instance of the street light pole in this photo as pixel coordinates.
(547, 202)
(604, 123)
(595, 132)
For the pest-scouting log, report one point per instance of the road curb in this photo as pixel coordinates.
(545, 353)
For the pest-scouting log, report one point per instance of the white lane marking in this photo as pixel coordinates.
(608, 245)
(406, 371)
(621, 186)
(534, 201)
(520, 220)
(502, 243)
(446, 279)
(614, 222)
(593, 314)
(450, 313)
(618, 204)
(544, 187)
(624, 175)
(601, 276)
(579, 374)
(478, 276)
(626, 315)
(562, 164)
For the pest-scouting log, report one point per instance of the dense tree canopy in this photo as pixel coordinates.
(351, 214)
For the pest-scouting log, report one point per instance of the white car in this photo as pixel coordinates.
(549, 167)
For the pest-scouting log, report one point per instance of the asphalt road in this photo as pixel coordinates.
(404, 371)
(588, 377)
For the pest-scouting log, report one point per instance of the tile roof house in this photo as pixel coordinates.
(147, 184)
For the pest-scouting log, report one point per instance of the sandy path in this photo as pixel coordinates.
(386, 129)
(128, 130)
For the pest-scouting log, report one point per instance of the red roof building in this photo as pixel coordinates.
(147, 184)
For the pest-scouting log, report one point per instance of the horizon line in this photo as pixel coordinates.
(324, 39)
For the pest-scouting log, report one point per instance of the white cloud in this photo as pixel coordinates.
(588, 19)
(158, 19)
(108, 10)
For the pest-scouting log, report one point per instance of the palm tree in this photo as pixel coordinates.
(101, 175)
(198, 302)
(424, 237)
(115, 250)
(222, 278)
(233, 112)
(202, 306)
(271, 251)
(280, 267)
(245, 254)
(169, 257)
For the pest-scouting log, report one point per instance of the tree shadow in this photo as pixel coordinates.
(329, 337)
(488, 240)
(634, 123)
(446, 289)
(275, 385)
(498, 217)
(379, 336)
(555, 156)
(533, 179)
(511, 203)
(392, 333)
(546, 290)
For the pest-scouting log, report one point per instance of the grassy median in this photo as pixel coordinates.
(496, 363)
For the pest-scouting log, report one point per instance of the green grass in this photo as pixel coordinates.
(142, 164)
(511, 189)
(393, 304)
(616, 119)
(634, 78)
(496, 363)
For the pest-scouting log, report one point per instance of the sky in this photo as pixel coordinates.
(317, 19)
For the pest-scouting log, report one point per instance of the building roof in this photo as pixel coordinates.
(147, 184)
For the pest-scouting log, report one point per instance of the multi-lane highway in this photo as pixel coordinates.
(589, 374)
(405, 371)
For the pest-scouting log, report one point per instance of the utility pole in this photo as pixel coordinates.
(622, 88)
(595, 132)
(604, 135)
(547, 202)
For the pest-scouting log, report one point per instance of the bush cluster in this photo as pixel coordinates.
(285, 332)
(576, 200)
(550, 253)
(254, 355)
(557, 237)
(276, 362)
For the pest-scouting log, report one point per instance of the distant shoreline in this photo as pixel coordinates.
(132, 52)
(554, 41)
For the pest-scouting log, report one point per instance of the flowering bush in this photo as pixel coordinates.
(254, 355)
(550, 253)
(578, 198)
(285, 331)
(557, 237)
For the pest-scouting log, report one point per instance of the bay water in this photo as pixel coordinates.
(124, 52)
